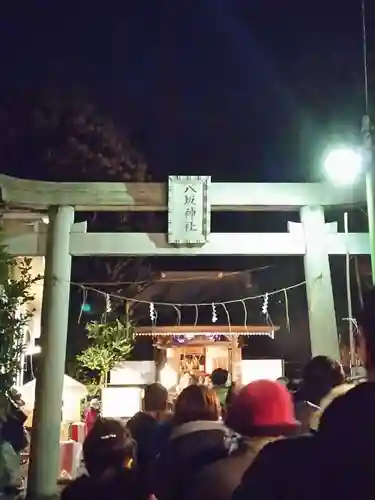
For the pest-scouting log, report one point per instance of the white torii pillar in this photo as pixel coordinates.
(321, 307)
(45, 445)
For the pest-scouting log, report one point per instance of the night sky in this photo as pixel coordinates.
(240, 90)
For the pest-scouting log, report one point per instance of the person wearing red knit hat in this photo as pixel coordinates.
(261, 412)
(263, 408)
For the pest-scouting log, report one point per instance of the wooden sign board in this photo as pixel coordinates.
(188, 210)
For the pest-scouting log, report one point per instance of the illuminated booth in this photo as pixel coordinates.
(122, 398)
(194, 347)
(183, 352)
(199, 350)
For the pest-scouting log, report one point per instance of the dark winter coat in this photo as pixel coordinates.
(13, 430)
(304, 413)
(281, 471)
(125, 484)
(218, 481)
(150, 435)
(191, 447)
(346, 444)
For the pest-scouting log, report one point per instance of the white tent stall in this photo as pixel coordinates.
(73, 393)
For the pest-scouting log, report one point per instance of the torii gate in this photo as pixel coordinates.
(312, 238)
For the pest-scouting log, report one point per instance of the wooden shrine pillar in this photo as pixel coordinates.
(321, 307)
(236, 358)
(45, 444)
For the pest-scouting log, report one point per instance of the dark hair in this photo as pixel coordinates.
(107, 446)
(366, 321)
(233, 391)
(219, 376)
(196, 402)
(320, 375)
(155, 398)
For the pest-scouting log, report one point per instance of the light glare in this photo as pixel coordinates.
(343, 166)
(168, 377)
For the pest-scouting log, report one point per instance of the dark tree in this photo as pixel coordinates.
(60, 136)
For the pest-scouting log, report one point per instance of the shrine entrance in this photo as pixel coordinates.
(189, 202)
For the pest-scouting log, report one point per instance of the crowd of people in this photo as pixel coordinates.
(262, 441)
(14, 438)
(254, 442)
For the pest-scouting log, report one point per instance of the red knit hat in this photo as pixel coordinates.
(263, 407)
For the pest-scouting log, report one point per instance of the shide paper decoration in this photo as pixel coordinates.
(215, 307)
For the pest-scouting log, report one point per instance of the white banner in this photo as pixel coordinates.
(188, 210)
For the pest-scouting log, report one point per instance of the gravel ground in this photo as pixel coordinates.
(24, 470)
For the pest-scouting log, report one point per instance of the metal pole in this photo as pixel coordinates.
(45, 444)
(367, 147)
(20, 376)
(21, 372)
(349, 298)
(370, 188)
(358, 281)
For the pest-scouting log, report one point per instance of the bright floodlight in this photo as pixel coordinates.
(343, 166)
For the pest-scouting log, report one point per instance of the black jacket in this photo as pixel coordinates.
(150, 435)
(191, 447)
(13, 430)
(281, 471)
(346, 444)
(125, 484)
(219, 480)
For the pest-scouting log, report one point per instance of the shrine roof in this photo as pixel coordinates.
(207, 330)
(194, 287)
(178, 297)
(197, 286)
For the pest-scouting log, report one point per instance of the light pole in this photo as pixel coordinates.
(344, 166)
(367, 146)
(370, 187)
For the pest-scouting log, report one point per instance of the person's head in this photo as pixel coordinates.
(155, 398)
(366, 323)
(219, 377)
(94, 404)
(320, 375)
(262, 408)
(16, 397)
(109, 445)
(196, 402)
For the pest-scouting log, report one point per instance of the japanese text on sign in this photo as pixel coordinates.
(188, 210)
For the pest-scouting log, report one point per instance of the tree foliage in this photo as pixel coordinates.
(60, 136)
(109, 343)
(16, 281)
